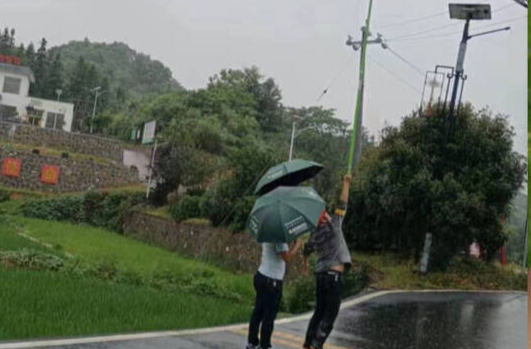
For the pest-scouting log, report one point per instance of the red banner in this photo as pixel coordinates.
(50, 174)
(11, 167)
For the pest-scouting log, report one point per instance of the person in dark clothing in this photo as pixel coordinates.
(333, 259)
(268, 287)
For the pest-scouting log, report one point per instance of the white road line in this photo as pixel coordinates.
(147, 335)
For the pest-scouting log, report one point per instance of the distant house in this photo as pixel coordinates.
(16, 105)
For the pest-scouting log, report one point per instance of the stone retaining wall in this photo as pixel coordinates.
(76, 175)
(69, 142)
(234, 250)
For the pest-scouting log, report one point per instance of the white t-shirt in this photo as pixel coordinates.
(272, 265)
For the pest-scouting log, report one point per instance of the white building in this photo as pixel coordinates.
(17, 105)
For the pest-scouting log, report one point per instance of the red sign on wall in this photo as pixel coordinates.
(10, 59)
(11, 167)
(50, 174)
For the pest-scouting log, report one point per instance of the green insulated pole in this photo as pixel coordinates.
(355, 141)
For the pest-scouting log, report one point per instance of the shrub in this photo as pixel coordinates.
(31, 259)
(187, 207)
(98, 209)
(35, 151)
(4, 195)
(242, 209)
(61, 208)
(65, 155)
(218, 201)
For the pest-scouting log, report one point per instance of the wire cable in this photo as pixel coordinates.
(434, 15)
(411, 20)
(443, 26)
(334, 79)
(404, 81)
(411, 65)
(426, 37)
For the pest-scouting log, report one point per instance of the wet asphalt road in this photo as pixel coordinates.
(454, 320)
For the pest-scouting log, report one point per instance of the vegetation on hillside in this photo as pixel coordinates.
(76, 68)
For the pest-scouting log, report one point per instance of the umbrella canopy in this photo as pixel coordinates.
(289, 173)
(284, 214)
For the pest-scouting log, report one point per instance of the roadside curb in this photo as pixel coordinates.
(146, 335)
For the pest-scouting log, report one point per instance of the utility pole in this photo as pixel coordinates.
(356, 139)
(97, 93)
(525, 246)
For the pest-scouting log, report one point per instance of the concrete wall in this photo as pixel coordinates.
(20, 101)
(76, 175)
(222, 247)
(70, 142)
(139, 158)
(47, 106)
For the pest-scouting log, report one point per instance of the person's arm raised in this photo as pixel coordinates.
(286, 256)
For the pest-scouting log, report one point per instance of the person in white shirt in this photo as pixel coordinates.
(268, 287)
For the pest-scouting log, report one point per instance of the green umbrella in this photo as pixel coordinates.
(285, 214)
(289, 173)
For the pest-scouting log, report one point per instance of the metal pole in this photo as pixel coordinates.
(458, 72)
(151, 169)
(94, 110)
(292, 140)
(423, 91)
(356, 129)
(525, 246)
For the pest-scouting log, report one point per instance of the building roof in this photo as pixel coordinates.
(17, 69)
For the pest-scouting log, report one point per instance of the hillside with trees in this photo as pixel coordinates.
(124, 75)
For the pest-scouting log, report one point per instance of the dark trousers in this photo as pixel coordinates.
(328, 294)
(268, 295)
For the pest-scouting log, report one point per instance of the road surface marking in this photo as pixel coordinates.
(291, 339)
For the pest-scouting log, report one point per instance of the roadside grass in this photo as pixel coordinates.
(389, 271)
(99, 246)
(11, 241)
(42, 304)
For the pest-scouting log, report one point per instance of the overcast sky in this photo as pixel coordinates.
(301, 44)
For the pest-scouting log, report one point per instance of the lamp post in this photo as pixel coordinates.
(295, 134)
(97, 92)
(465, 12)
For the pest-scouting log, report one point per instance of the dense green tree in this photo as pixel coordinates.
(265, 95)
(40, 70)
(54, 78)
(177, 165)
(29, 56)
(414, 184)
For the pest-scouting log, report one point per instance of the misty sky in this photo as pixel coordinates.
(301, 44)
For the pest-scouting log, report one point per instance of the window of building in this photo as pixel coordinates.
(7, 111)
(54, 120)
(34, 116)
(12, 85)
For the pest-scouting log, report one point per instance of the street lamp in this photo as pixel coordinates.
(97, 92)
(466, 12)
(295, 134)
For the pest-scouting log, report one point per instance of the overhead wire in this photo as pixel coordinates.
(427, 37)
(411, 65)
(443, 26)
(334, 79)
(404, 81)
(418, 19)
